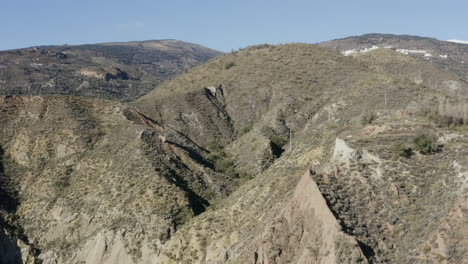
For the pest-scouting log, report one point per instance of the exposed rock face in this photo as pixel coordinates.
(366, 214)
(200, 114)
(306, 231)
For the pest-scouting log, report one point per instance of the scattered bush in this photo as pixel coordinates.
(444, 120)
(450, 121)
(368, 118)
(224, 164)
(214, 156)
(425, 144)
(215, 147)
(426, 249)
(401, 149)
(222, 161)
(278, 141)
(229, 65)
(245, 130)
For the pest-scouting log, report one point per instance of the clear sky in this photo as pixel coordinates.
(223, 25)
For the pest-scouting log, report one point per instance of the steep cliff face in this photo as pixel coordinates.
(306, 231)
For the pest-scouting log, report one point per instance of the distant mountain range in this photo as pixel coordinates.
(120, 71)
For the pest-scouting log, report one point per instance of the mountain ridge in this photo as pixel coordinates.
(121, 71)
(270, 154)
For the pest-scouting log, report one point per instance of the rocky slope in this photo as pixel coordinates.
(272, 154)
(326, 100)
(120, 71)
(95, 181)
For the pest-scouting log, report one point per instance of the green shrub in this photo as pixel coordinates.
(245, 130)
(426, 249)
(214, 156)
(215, 147)
(278, 141)
(224, 164)
(245, 176)
(229, 65)
(368, 118)
(401, 149)
(221, 160)
(425, 144)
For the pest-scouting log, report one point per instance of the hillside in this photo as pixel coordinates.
(271, 154)
(76, 170)
(119, 71)
(347, 115)
(444, 54)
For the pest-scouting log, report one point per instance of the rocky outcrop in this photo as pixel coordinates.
(306, 231)
(201, 114)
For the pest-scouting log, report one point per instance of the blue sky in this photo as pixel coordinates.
(223, 25)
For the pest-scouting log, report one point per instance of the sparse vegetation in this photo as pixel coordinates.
(151, 179)
(223, 162)
(92, 71)
(245, 130)
(401, 149)
(426, 249)
(229, 65)
(279, 141)
(425, 144)
(368, 118)
(451, 121)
